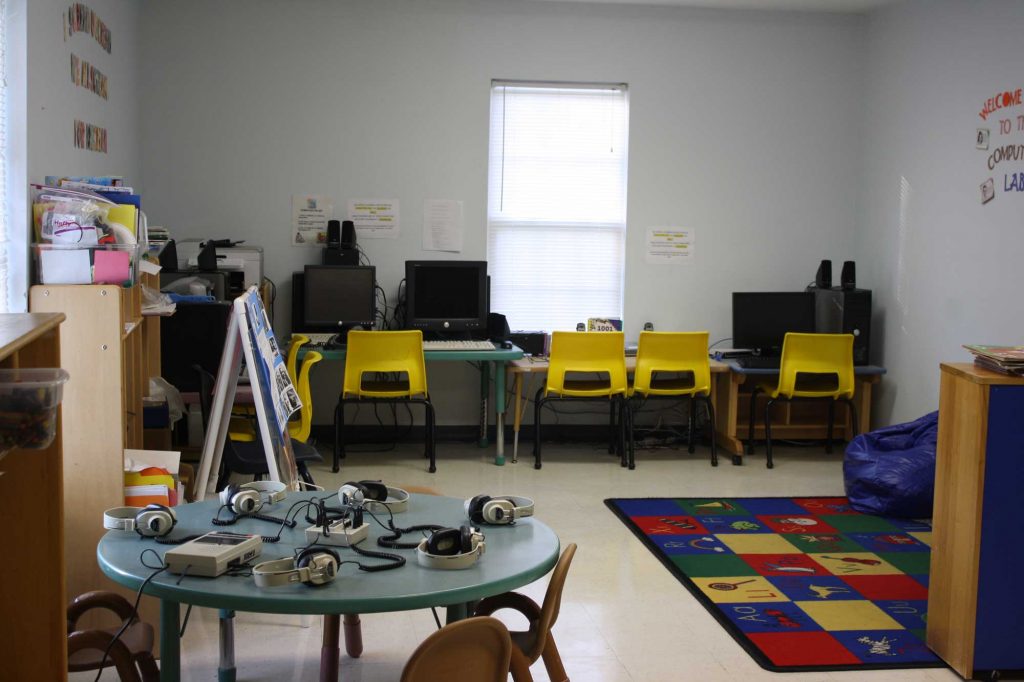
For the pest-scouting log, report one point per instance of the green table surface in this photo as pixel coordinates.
(514, 556)
(498, 354)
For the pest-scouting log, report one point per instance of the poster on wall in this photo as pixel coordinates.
(1003, 144)
(310, 213)
(375, 218)
(670, 246)
(442, 225)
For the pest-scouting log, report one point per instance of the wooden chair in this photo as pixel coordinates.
(471, 650)
(537, 642)
(131, 654)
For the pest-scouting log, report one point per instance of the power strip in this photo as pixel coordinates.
(340, 534)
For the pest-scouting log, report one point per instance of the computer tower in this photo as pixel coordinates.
(845, 311)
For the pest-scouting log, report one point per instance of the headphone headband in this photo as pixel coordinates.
(274, 490)
(397, 501)
(499, 510)
(120, 518)
(457, 561)
(312, 567)
(247, 498)
(153, 520)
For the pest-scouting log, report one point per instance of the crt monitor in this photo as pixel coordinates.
(446, 296)
(340, 296)
(761, 319)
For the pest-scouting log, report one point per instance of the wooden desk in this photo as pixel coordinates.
(794, 420)
(533, 365)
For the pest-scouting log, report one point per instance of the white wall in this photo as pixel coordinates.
(930, 67)
(744, 126)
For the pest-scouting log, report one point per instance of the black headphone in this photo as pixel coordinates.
(498, 511)
(451, 548)
(355, 493)
(248, 497)
(151, 521)
(314, 566)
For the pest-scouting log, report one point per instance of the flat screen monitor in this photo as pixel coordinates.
(446, 295)
(340, 296)
(761, 319)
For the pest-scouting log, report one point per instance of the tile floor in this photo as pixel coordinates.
(623, 618)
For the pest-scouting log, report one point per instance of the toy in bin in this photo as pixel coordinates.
(28, 407)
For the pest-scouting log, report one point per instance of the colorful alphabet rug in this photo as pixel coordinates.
(803, 583)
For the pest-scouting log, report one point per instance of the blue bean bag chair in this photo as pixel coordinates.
(891, 471)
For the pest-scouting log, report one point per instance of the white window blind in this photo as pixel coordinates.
(556, 207)
(5, 217)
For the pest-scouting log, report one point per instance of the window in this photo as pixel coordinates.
(556, 206)
(5, 217)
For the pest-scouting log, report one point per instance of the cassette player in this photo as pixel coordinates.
(213, 554)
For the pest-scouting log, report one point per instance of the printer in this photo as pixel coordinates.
(242, 264)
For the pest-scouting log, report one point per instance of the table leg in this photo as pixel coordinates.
(456, 612)
(226, 670)
(330, 652)
(485, 390)
(170, 644)
(353, 635)
(518, 418)
(499, 406)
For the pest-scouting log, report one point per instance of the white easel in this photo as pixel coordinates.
(273, 394)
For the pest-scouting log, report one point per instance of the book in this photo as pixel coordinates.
(1011, 354)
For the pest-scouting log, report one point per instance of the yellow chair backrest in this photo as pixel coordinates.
(817, 354)
(585, 352)
(300, 430)
(291, 362)
(672, 352)
(381, 351)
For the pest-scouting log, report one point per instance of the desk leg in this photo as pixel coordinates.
(170, 645)
(485, 389)
(456, 612)
(226, 670)
(330, 652)
(518, 418)
(353, 635)
(499, 406)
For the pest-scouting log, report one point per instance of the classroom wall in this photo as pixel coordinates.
(54, 101)
(945, 269)
(744, 126)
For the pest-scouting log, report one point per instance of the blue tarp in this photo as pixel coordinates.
(891, 471)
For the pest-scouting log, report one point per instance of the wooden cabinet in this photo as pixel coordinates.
(33, 629)
(974, 595)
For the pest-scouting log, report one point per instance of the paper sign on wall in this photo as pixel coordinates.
(375, 218)
(670, 246)
(310, 213)
(442, 225)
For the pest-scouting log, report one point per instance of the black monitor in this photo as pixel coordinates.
(761, 319)
(339, 297)
(444, 296)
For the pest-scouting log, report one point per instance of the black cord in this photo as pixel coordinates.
(135, 612)
(188, 612)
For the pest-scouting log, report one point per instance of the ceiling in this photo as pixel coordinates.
(838, 6)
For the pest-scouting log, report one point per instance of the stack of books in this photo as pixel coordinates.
(1003, 359)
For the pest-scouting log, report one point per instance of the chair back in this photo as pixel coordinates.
(553, 597)
(587, 352)
(474, 650)
(384, 351)
(300, 430)
(824, 360)
(292, 359)
(672, 352)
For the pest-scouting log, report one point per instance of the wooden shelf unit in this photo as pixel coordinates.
(33, 630)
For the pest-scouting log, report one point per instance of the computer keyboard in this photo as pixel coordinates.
(758, 362)
(457, 345)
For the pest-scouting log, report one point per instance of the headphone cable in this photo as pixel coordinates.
(135, 612)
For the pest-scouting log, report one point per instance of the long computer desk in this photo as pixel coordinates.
(485, 359)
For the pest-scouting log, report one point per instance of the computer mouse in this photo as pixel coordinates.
(506, 344)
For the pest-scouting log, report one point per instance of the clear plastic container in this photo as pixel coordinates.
(28, 407)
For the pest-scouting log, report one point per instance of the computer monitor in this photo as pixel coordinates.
(761, 319)
(444, 296)
(339, 297)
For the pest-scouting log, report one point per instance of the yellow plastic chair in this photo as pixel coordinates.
(371, 353)
(813, 366)
(587, 366)
(675, 365)
(292, 359)
(242, 430)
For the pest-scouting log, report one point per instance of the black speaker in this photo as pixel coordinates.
(333, 234)
(846, 311)
(497, 327)
(168, 257)
(823, 280)
(336, 256)
(848, 279)
(207, 258)
(348, 234)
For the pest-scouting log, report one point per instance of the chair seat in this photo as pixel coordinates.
(137, 638)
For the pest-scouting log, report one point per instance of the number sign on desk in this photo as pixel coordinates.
(274, 395)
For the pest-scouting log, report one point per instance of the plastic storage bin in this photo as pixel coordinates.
(28, 407)
(77, 264)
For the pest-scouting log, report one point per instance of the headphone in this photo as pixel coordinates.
(498, 511)
(374, 495)
(248, 497)
(451, 548)
(314, 566)
(151, 521)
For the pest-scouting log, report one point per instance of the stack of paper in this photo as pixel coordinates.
(1004, 359)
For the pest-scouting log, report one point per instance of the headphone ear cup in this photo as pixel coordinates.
(307, 558)
(353, 492)
(375, 490)
(475, 508)
(155, 520)
(445, 542)
(466, 539)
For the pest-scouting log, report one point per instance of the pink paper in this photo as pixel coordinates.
(111, 267)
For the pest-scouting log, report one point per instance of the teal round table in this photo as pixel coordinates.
(514, 556)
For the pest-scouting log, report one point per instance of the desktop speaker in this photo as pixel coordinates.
(845, 311)
(333, 234)
(532, 343)
(348, 234)
(823, 280)
(336, 256)
(848, 278)
(497, 327)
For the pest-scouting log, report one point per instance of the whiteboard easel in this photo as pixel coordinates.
(274, 395)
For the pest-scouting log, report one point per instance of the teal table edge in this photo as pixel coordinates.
(497, 357)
